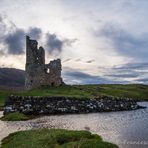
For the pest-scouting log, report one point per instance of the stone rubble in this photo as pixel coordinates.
(62, 105)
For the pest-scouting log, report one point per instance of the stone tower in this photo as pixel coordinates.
(37, 72)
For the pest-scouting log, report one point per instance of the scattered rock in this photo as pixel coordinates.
(62, 105)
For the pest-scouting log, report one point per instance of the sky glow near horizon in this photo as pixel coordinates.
(97, 41)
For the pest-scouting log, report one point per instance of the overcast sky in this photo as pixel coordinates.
(98, 41)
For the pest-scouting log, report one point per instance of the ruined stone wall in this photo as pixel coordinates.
(37, 72)
(57, 105)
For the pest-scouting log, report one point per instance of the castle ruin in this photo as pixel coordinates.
(37, 72)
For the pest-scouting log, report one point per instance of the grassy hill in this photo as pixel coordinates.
(135, 91)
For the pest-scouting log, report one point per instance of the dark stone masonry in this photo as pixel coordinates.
(37, 72)
(62, 105)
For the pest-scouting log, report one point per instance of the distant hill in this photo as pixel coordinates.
(11, 77)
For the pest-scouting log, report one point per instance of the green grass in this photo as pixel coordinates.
(3, 95)
(67, 90)
(54, 138)
(14, 117)
(136, 91)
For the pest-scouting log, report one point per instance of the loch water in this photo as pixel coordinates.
(128, 129)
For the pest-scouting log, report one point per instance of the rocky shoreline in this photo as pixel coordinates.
(63, 105)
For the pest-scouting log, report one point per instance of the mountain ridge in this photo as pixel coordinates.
(12, 77)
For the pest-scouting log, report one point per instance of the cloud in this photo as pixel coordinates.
(143, 80)
(66, 60)
(55, 44)
(2, 35)
(90, 61)
(69, 42)
(125, 43)
(15, 42)
(2, 28)
(35, 32)
(1, 52)
(132, 66)
(78, 60)
(73, 76)
(124, 75)
(130, 72)
(12, 38)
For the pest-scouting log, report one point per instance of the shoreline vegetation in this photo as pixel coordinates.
(55, 138)
(16, 116)
(137, 92)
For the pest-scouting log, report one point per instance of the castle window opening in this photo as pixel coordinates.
(52, 84)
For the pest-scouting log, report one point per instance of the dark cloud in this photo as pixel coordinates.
(69, 42)
(90, 61)
(54, 43)
(35, 32)
(132, 66)
(75, 76)
(143, 80)
(124, 75)
(66, 60)
(15, 42)
(125, 43)
(138, 71)
(13, 38)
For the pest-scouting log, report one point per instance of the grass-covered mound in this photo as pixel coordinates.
(136, 91)
(14, 117)
(45, 138)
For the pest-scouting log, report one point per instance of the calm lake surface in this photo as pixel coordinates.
(128, 129)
